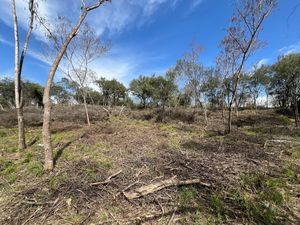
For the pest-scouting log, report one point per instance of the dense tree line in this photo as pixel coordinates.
(279, 82)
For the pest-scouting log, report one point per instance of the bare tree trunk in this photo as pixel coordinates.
(229, 126)
(223, 116)
(205, 113)
(86, 110)
(296, 112)
(18, 69)
(236, 108)
(48, 164)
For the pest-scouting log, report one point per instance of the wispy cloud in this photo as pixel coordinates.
(262, 62)
(112, 19)
(295, 48)
(4, 41)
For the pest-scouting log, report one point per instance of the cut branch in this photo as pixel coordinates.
(151, 188)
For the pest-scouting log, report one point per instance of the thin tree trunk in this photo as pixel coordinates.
(267, 100)
(205, 113)
(18, 70)
(86, 110)
(296, 112)
(223, 100)
(236, 108)
(228, 131)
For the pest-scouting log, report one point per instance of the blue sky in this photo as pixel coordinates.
(148, 36)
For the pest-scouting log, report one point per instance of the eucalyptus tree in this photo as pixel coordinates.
(73, 31)
(286, 83)
(241, 41)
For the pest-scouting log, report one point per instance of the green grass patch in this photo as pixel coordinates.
(36, 168)
(187, 196)
(27, 157)
(290, 173)
(250, 133)
(285, 120)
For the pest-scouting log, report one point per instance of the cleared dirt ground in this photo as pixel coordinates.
(252, 174)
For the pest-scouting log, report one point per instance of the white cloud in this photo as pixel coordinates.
(262, 62)
(290, 49)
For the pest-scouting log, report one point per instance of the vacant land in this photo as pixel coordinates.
(248, 177)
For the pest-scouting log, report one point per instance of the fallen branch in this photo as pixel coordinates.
(150, 188)
(107, 180)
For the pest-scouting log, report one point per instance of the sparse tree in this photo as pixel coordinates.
(82, 51)
(85, 9)
(241, 41)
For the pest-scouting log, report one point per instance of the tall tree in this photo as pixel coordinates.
(286, 83)
(142, 88)
(19, 60)
(241, 41)
(85, 9)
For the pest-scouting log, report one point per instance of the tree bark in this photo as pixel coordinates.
(86, 110)
(229, 126)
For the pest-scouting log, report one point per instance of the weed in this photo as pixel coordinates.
(216, 204)
(89, 172)
(250, 133)
(27, 157)
(105, 163)
(285, 120)
(187, 196)
(3, 134)
(7, 166)
(12, 178)
(290, 173)
(56, 180)
(35, 168)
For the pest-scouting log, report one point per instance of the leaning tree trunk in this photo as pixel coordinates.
(48, 164)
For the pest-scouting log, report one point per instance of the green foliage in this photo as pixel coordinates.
(155, 90)
(32, 93)
(285, 80)
(113, 91)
